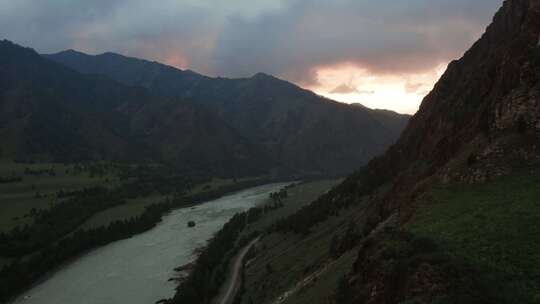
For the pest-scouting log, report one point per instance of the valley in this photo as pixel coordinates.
(91, 158)
(106, 275)
(54, 212)
(127, 177)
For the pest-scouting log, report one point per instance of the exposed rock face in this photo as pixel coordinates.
(521, 109)
(493, 88)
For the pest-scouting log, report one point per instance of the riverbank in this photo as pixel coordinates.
(233, 284)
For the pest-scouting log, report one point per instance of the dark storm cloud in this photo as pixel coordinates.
(288, 38)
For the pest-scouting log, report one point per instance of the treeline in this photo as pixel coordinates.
(39, 172)
(17, 276)
(147, 178)
(211, 194)
(341, 244)
(71, 209)
(308, 216)
(278, 197)
(51, 224)
(348, 193)
(211, 267)
(12, 179)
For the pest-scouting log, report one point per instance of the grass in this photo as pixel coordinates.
(326, 282)
(292, 257)
(18, 198)
(493, 226)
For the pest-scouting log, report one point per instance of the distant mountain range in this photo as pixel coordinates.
(72, 106)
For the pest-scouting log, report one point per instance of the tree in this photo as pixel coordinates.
(334, 247)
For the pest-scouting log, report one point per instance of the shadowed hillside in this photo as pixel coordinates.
(52, 113)
(300, 129)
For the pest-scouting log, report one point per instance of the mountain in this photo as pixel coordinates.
(449, 214)
(464, 179)
(298, 128)
(53, 113)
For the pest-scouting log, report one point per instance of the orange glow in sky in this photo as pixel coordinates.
(176, 61)
(402, 93)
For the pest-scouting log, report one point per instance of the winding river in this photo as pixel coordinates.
(136, 270)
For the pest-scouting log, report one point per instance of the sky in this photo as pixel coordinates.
(382, 53)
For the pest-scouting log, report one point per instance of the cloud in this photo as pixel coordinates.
(367, 92)
(344, 89)
(287, 38)
(384, 36)
(412, 87)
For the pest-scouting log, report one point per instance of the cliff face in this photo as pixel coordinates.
(481, 122)
(492, 89)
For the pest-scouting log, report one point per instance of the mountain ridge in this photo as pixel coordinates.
(299, 128)
(52, 112)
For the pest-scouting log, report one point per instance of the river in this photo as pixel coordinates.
(136, 270)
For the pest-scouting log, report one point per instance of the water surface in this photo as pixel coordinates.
(137, 270)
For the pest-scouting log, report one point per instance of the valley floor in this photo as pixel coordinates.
(53, 212)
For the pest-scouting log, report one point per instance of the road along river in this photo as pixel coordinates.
(136, 270)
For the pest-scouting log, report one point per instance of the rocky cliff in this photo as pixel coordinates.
(479, 127)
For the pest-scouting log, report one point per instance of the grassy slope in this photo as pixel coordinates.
(298, 196)
(292, 257)
(323, 287)
(494, 226)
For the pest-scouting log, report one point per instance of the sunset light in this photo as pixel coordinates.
(270, 151)
(400, 92)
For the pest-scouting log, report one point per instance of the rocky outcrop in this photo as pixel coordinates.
(493, 89)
